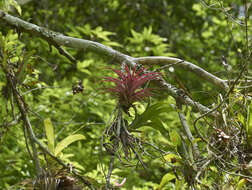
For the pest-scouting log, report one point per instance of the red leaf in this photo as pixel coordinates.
(128, 87)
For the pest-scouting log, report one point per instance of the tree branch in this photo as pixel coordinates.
(60, 39)
(184, 99)
(185, 65)
(188, 133)
(23, 110)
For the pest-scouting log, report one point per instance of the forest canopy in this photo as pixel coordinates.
(134, 94)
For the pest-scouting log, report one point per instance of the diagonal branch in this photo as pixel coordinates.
(186, 65)
(62, 40)
(27, 125)
(184, 99)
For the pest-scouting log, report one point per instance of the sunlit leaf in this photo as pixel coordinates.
(49, 134)
(173, 159)
(165, 179)
(241, 184)
(175, 138)
(67, 141)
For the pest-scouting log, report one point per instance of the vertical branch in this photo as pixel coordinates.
(247, 47)
(119, 121)
(246, 28)
(34, 149)
(111, 163)
(26, 142)
(188, 133)
(185, 126)
(26, 121)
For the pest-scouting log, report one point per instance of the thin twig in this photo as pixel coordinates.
(168, 65)
(112, 158)
(219, 105)
(201, 170)
(26, 143)
(102, 140)
(175, 92)
(235, 174)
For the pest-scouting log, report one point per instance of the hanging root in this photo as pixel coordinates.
(117, 137)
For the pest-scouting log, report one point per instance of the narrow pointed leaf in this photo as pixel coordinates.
(49, 134)
(67, 141)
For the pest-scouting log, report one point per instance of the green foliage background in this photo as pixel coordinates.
(185, 29)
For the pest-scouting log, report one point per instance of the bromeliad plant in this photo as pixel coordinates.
(128, 89)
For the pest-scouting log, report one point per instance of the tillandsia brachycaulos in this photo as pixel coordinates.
(128, 89)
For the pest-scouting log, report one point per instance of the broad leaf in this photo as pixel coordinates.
(16, 5)
(66, 141)
(158, 125)
(241, 184)
(165, 179)
(149, 114)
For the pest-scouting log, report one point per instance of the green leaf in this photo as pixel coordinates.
(173, 158)
(158, 125)
(178, 184)
(214, 169)
(196, 140)
(175, 138)
(150, 113)
(86, 30)
(16, 5)
(170, 156)
(66, 141)
(83, 65)
(49, 134)
(249, 123)
(199, 10)
(241, 184)
(165, 179)
(150, 117)
(112, 44)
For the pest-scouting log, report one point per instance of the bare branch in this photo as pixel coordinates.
(179, 94)
(111, 163)
(185, 65)
(23, 110)
(60, 39)
(188, 133)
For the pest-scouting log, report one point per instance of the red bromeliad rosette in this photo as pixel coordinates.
(128, 87)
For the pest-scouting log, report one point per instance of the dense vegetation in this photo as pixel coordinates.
(135, 94)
